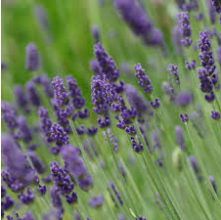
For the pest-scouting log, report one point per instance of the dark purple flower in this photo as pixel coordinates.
(85, 182)
(210, 97)
(75, 92)
(21, 99)
(55, 197)
(95, 33)
(42, 189)
(194, 164)
(183, 99)
(9, 115)
(156, 103)
(96, 201)
(184, 118)
(61, 179)
(211, 10)
(141, 218)
(76, 215)
(143, 79)
(94, 66)
(179, 137)
(7, 202)
(47, 86)
(107, 64)
(28, 197)
(217, 5)
(32, 57)
(215, 115)
(3, 190)
(174, 72)
(189, 65)
(168, 90)
(32, 94)
(36, 162)
(219, 55)
(58, 135)
(92, 130)
(18, 172)
(45, 120)
(24, 129)
(72, 198)
(185, 28)
(60, 93)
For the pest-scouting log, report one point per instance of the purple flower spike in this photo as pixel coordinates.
(155, 104)
(143, 79)
(215, 115)
(217, 5)
(32, 57)
(36, 162)
(107, 64)
(185, 28)
(24, 129)
(7, 203)
(17, 172)
(32, 94)
(174, 72)
(71, 198)
(95, 33)
(184, 118)
(96, 201)
(183, 99)
(85, 182)
(61, 179)
(45, 120)
(206, 56)
(55, 198)
(28, 197)
(75, 92)
(42, 189)
(60, 93)
(46, 84)
(9, 115)
(179, 137)
(58, 135)
(92, 130)
(21, 99)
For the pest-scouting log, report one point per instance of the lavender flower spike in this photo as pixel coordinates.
(32, 57)
(185, 28)
(143, 79)
(179, 137)
(32, 93)
(215, 115)
(96, 201)
(16, 165)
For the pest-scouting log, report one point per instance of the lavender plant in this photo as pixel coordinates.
(110, 141)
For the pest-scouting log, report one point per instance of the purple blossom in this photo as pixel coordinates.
(156, 103)
(32, 94)
(179, 137)
(215, 115)
(42, 189)
(217, 5)
(47, 86)
(36, 162)
(75, 92)
(194, 164)
(61, 179)
(185, 28)
(116, 193)
(213, 183)
(211, 10)
(95, 33)
(174, 72)
(41, 16)
(24, 129)
(60, 93)
(92, 130)
(94, 66)
(190, 66)
(72, 198)
(17, 172)
(184, 118)
(106, 63)
(183, 99)
(58, 135)
(45, 120)
(143, 79)
(28, 197)
(96, 201)
(32, 57)
(7, 202)
(55, 198)
(21, 99)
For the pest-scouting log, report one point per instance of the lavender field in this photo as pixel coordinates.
(111, 110)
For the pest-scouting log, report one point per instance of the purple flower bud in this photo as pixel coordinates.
(217, 5)
(155, 104)
(215, 115)
(94, 66)
(7, 202)
(46, 84)
(42, 189)
(141, 218)
(92, 130)
(21, 98)
(45, 120)
(32, 94)
(96, 201)
(95, 33)
(71, 198)
(61, 179)
(60, 93)
(24, 129)
(174, 72)
(143, 79)
(179, 137)
(32, 57)
(194, 164)
(18, 172)
(184, 118)
(36, 162)
(107, 64)
(28, 197)
(183, 99)
(85, 182)
(185, 28)
(55, 198)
